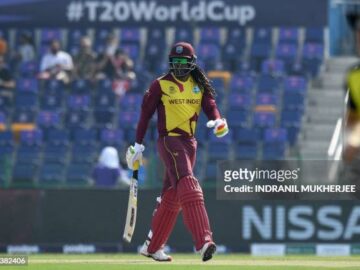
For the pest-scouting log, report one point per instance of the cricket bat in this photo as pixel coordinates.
(132, 206)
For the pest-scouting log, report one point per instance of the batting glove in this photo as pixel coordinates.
(134, 156)
(220, 127)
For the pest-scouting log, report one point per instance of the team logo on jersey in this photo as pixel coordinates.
(179, 49)
(196, 89)
(172, 90)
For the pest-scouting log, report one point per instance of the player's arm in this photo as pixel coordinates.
(149, 104)
(209, 107)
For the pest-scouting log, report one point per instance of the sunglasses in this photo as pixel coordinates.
(179, 61)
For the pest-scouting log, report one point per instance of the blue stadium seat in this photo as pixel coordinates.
(287, 52)
(241, 83)
(130, 35)
(6, 138)
(268, 84)
(78, 174)
(131, 102)
(314, 34)
(85, 136)
(26, 101)
(262, 35)
(231, 56)
(58, 136)
(210, 35)
(238, 118)
(288, 35)
(5, 103)
(104, 85)
(104, 100)
(47, 34)
(76, 118)
(313, 51)
(46, 119)
(55, 153)
(264, 119)
(24, 174)
(236, 36)
(6, 151)
(83, 153)
(291, 118)
(2, 120)
(260, 50)
(246, 151)
(274, 151)
(28, 154)
(209, 54)
(293, 101)
(53, 86)
(239, 101)
(295, 84)
(275, 135)
(274, 67)
(247, 135)
(51, 102)
(52, 174)
(31, 137)
(184, 34)
(266, 99)
(79, 102)
(104, 117)
(112, 137)
(27, 85)
(210, 172)
(101, 35)
(132, 50)
(28, 69)
(218, 151)
(23, 116)
(74, 36)
(80, 86)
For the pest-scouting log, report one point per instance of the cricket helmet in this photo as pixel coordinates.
(182, 59)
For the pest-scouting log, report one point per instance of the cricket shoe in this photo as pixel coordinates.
(207, 251)
(159, 255)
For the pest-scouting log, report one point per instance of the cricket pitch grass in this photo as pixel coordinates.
(185, 261)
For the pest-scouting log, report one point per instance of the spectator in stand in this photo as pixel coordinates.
(85, 60)
(26, 50)
(3, 47)
(108, 172)
(122, 71)
(56, 64)
(7, 83)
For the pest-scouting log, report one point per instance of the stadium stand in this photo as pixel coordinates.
(51, 133)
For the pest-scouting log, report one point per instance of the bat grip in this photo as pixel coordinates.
(136, 169)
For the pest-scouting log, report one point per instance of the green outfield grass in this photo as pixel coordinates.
(186, 261)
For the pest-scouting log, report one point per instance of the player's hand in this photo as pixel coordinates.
(134, 155)
(220, 127)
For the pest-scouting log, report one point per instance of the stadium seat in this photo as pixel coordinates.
(238, 118)
(184, 34)
(47, 119)
(47, 35)
(131, 102)
(51, 102)
(79, 102)
(130, 35)
(85, 136)
(314, 34)
(25, 100)
(274, 67)
(291, 118)
(80, 86)
(58, 136)
(262, 35)
(52, 174)
(24, 174)
(247, 135)
(76, 118)
(28, 69)
(83, 153)
(295, 84)
(112, 137)
(101, 35)
(104, 117)
(268, 84)
(23, 116)
(55, 152)
(246, 151)
(28, 154)
(266, 99)
(33, 137)
(210, 35)
(2, 121)
(5, 103)
(6, 138)
(132, 50)
(242, 83)
(239, 101)
(264, 119)
(287, 52)
(54, 86)
(218, 151)
(274, 151)
(27, 85)
(78, 174)
(288, 35)
(210, 172)
(293, 101)
(275, 135)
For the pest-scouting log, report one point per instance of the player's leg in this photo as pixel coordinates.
(194, 211)
(195, 216)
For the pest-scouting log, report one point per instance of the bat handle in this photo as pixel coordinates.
(136, 166)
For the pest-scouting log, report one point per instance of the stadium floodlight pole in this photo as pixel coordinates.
(132, 205)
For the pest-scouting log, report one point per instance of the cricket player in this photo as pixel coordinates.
(178, 98)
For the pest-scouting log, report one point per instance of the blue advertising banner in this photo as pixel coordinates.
(111, 13)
